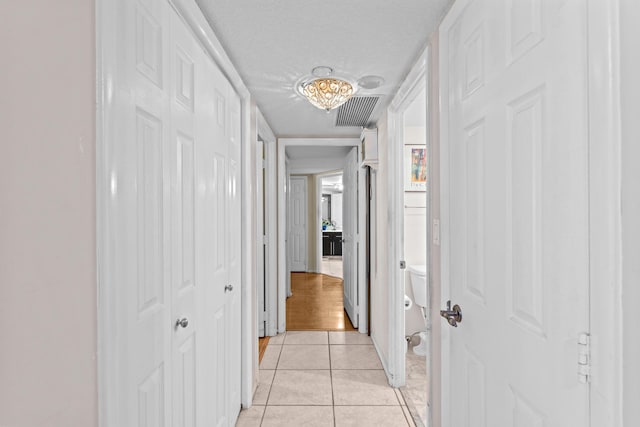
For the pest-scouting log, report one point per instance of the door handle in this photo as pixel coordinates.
(228, 288)
(453, 315)
(182, 323)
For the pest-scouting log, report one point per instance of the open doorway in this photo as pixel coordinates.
(318, 168)
(331, 213)
(415, 219)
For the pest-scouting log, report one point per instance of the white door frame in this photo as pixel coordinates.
(414, 84)
(283, 268)
(106, 20)
(605, 166)
(271, 221)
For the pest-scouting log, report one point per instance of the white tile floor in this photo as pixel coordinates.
(324, 379)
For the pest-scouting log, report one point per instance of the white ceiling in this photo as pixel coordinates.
(275, 43)
(314, 152)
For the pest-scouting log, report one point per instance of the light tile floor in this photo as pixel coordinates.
(322, 378)
(415, 389)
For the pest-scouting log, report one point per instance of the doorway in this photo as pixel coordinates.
(331, 214)
(314, 159)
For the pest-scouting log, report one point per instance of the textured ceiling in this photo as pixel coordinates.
(317, 151)
(275, 43)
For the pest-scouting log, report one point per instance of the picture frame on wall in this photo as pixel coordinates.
(415, 168)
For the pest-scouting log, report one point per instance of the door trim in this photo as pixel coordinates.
(283, 267)
(106, 60)
(605, 216)
(271, 222)
(415, 82)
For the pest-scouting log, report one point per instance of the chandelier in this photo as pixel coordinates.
(327, 93)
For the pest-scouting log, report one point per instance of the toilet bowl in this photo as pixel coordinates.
(418, 275)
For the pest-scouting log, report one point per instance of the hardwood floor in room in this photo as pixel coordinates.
(316, 304)
(262, 347)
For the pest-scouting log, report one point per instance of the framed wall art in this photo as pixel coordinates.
(415, 168)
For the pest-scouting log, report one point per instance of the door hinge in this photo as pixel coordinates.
(584, 358)
(264, 163)
(264, 239)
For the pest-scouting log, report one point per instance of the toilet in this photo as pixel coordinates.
(418, 275)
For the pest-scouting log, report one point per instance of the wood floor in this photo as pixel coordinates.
(262, 347)
(316, 304)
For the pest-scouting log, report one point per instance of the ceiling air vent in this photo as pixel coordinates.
(356, 111)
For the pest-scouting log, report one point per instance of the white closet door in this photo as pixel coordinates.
(174, 165)
(221, 246)
(186, 287)
(139, 155)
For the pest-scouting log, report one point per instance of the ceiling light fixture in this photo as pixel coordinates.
(327, 93)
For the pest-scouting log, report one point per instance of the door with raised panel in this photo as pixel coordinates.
(298, 223)
(186, 285)
(221, 237)
(515, 211)
(173, 161)
(138, 155)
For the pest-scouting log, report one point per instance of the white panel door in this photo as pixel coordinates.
(138, 155)
(515, 211)
(233, 236)
(350, 235)
(186, 76)
(174, 159)
(298, 223)
(221, 246)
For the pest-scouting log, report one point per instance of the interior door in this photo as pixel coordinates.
(298, 223)
(185, 83)
(173, 162)
(138, 155)
(221, 235)
(349, 235)
(515, 186)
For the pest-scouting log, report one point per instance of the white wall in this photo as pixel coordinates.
(630, 91)
(380, 280)
(336, 210)
(47, 214)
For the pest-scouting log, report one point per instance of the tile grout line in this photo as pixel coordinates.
(333, 399)
(266, 403)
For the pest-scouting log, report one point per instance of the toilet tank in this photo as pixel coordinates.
(418, 274)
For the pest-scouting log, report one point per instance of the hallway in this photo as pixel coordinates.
(316, 304)
(324, 378)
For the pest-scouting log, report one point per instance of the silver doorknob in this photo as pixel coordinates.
(228, 288)
(453, 315)
(184, 322)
